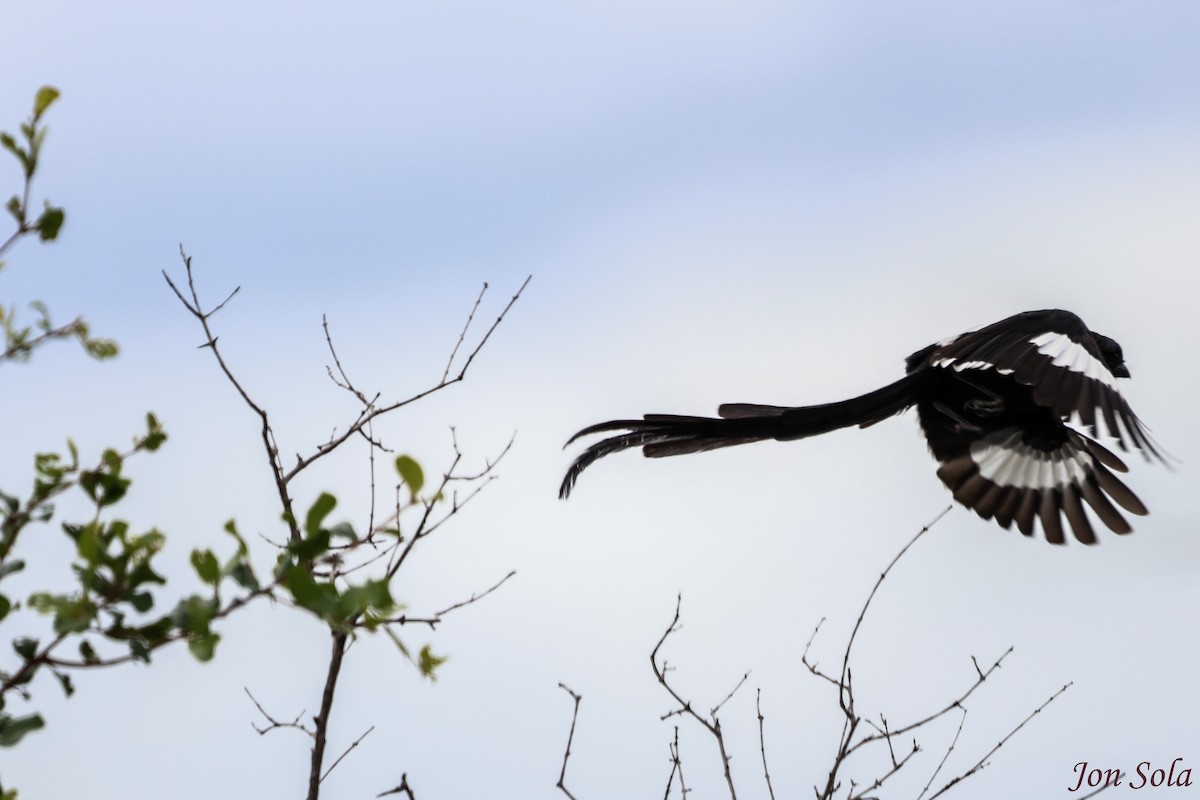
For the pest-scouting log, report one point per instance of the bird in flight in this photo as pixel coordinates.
(994, 405)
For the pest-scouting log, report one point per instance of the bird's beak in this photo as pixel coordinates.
(1121, 372)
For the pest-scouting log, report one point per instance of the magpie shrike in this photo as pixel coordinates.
(993, 404)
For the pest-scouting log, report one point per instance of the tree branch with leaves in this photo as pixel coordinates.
(340, 574)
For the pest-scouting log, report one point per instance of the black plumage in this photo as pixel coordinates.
(995, 406)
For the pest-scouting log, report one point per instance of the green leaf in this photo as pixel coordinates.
(144, 573)
(231, 529)
(50, 223)
(71, 614)
(103, 488)
(5, 606)
(398, 642)
(13, 729)
(193, 614)
(65, 680)
(319, 597)
(44, 98)
(90, 544)
(14, 203)
(139, 650)
(155, 435)
(11, 567)
(243, 574)
(142, 601)
(101, 349)
(203, 645)
(428, 663)
(343, 530)
(25, 647)
(206, 566)
(310, 548)
(411, 473)
(112, 459)
(358, 600)
(87, 652)
(74, 616)
(318, 512)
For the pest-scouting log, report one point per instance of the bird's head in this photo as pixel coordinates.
(1110, 351)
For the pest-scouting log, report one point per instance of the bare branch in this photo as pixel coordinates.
(953, 704)
(320, 734)
(882, 576)
(427, 524)
(268, 437)
(345, 382)
(345, 753)
(728, 697)
(762, 743)
(562, 775)
(713, 724)
(403, 787)
(962, 720)
(302, 462)
(983, 762)
(436, 619)
(295, 723)
(676, 769)
(463, 334)
(850, 740)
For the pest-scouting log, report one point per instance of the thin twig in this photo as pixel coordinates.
(712, 725)
(295, 723)
(983, 762)
(953, 704)
(303, 462)
(436, 619)
(463, 334)
(962, 720)
(427, 525)
(353, 745)
(562, 775)
(403, 787)
(676, 769)
(762, 742)
(882, 576)
(210, 341)
(72, 328)
(728, 697)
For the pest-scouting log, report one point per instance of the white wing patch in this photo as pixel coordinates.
(1011, 462)
(1073, 356)
(959, 366)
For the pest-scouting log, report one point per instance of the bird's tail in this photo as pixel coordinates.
(662, 435)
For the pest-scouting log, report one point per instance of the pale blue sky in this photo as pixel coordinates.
(771, 202)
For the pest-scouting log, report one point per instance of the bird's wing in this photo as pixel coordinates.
(1055, 354)
(1005, 477)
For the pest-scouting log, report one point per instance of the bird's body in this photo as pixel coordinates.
(993, 404)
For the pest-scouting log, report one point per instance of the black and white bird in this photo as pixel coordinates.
(994, 405)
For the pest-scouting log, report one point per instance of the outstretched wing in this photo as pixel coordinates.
(1055, 354)
(1005, 476)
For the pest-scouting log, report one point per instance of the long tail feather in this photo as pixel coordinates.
(662, 435)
